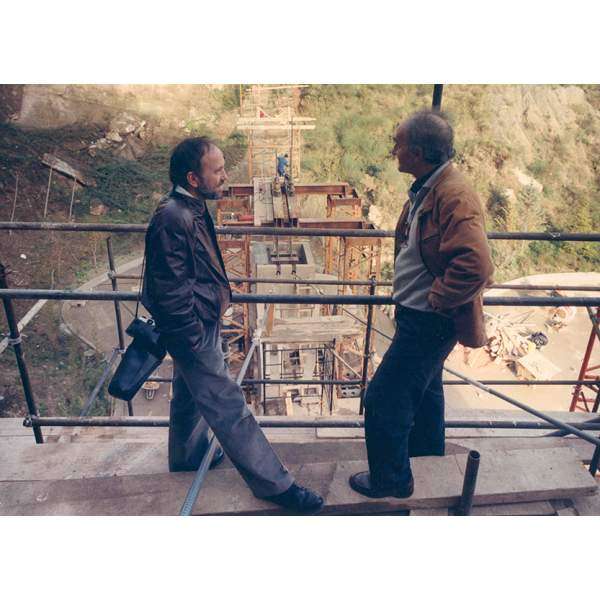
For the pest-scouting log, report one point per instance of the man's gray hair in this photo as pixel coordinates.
(431, 131)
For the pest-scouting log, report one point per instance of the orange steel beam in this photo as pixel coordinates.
(333, 223)
(246, 189)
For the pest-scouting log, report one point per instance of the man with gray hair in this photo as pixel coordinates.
(442, 264)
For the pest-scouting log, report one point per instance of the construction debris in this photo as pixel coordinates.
(126, 137)
(61, 166)
(561, 316)
(539, 338)
(508, 337)
(535, 366)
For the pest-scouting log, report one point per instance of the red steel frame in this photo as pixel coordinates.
(579, 400)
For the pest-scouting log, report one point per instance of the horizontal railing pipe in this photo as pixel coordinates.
(445, 381)
(279, 422)
(36, 294)
(554, 236)
(250, 381)
(361, 282)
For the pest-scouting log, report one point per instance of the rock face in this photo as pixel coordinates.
(127, 137)
(50, 106)
(527, 181)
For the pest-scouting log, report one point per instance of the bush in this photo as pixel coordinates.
(538, 167)
(498, 208)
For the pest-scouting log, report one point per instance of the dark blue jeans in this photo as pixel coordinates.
(404, 403)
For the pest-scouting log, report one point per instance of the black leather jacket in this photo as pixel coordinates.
(185, 283)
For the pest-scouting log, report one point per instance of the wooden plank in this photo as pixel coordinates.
(587, 506)
(57, 164)
(513, 510)
(13, 427)
(584, 449)
(504, 477)
(429, 512)
(74, 461)
(491, 444)
(566, 512)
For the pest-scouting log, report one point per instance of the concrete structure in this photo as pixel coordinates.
(299, 341)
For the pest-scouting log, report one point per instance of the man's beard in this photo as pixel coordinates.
(209, 194)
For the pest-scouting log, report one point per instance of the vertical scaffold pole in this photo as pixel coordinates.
(367, 345)
(113, 281)
(594, 462)
(469, 484)
(14, 340)
(436, 103)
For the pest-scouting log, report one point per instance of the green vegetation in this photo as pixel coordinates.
(495, 137)
(62, 370)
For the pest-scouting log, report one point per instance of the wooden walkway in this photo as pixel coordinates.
(123, 472)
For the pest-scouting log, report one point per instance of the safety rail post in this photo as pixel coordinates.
(469, 484)
(594, 462)
(15, 341)
(367, 350)
(115, 287)
(436, 102)
(113, 281)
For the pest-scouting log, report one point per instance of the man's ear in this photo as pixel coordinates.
(192, 179)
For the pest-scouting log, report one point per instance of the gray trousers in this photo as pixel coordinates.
(205, 395)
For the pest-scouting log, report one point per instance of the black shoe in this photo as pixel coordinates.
(361, 483)
(217, 458)
(298, 499)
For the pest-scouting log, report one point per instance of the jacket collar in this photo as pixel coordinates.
(446, 172)
(427, 203)
(196, 205)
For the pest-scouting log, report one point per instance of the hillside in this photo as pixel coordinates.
(532, 153)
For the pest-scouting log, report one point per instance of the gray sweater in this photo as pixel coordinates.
(412, 280)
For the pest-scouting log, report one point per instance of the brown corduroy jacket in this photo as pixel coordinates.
(454, 248)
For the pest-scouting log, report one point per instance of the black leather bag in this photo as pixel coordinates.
(140, 360)
(142, 357)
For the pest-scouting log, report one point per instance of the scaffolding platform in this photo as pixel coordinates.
(88, 472)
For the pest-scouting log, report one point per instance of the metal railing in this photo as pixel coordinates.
(8, 294)
(549, 236)
(35, 421)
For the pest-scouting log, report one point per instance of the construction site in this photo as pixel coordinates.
(311, 319)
